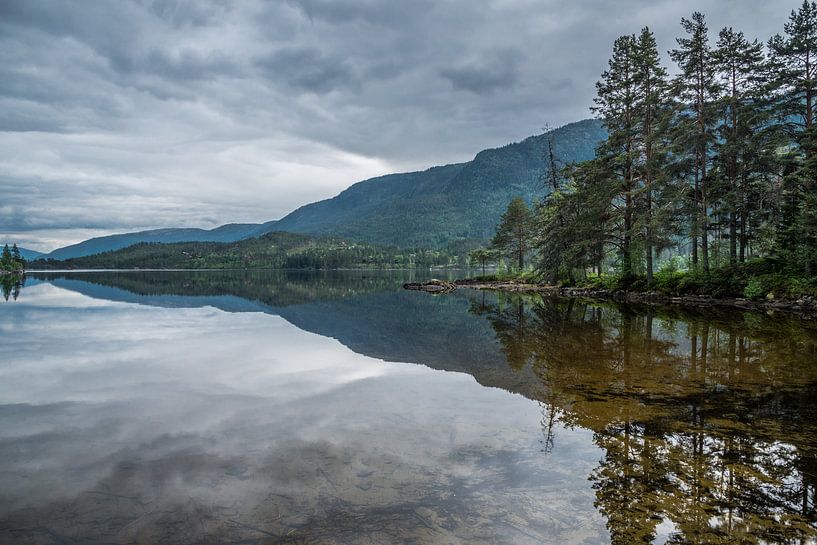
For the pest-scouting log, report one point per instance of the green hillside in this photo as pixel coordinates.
(444, 204)
(224, 233)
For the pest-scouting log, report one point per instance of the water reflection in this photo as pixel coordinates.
(10, 286)
(707, 424)
(214, 427)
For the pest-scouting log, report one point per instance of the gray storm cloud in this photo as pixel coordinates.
(117, 116)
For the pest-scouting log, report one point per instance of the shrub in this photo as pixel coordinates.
(609, 282)
(754, 289)
(668, 280)
(797, 287)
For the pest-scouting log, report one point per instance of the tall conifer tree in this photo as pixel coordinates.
(794, 58)
(616, 106)
(514, 231)
(651, 85)
(740, 67)
(697, 89)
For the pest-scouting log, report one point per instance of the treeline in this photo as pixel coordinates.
(11, 260)
(277, 250)
(715, 165)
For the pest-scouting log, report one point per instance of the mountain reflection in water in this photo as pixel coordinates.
(691, 427)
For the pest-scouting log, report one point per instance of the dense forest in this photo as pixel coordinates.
(707, 180)
(276, 250)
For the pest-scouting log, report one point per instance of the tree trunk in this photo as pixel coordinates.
(733, 236)
(628, 191)
(704, 214)
(702, 159)
(648, 182)
(809, 98)
(521, 254)
(648, 233)
(733, 175)
(695, 214)
(744, 218)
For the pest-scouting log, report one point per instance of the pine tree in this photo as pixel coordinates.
(651, 85)
(6, 261)
(616, 106)
(573, 227)
(16, 257)
(697, 89)
(514, 231)
(482, 256)
(740, 67)
(794, 61)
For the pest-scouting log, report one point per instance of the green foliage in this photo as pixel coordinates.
(753, 280)
(754, 289)
(667, 281)
(10, 260)
(524, 277)
(610, 282)
(570, 225)
(481, 257)
(513, 235)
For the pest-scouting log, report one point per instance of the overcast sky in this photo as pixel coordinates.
(126, 115)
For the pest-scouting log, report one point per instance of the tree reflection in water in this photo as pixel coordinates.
(10, 285)
(708, 426)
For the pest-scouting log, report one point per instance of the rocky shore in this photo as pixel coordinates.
(805, 307)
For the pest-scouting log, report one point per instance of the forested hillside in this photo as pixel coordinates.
(225, 233)
(275, 250)
(442, 205)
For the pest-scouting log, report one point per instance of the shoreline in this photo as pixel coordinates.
(805, 307)
(424, 269)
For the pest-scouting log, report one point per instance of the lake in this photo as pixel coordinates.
(290, 407)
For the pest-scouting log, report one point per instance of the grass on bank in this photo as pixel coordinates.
(756, 279)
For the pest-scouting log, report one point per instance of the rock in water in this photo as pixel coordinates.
(432, 286)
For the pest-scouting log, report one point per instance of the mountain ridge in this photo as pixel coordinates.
(435, 207)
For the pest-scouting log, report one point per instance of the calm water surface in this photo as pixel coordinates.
(271, 407)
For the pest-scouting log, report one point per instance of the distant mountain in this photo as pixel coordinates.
(29, 255)
(226, 233)
(432, 208)
(443, 204)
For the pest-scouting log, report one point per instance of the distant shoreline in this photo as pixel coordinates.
(805, 307)
(362, 269)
